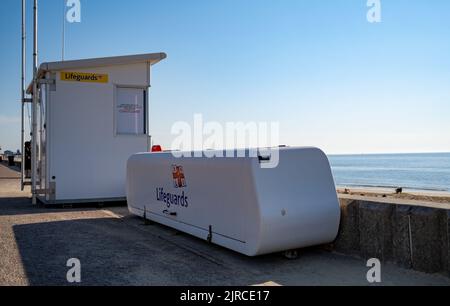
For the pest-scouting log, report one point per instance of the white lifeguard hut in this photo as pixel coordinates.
(92, 115)
(87, 118)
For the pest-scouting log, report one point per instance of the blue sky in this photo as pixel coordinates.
(329, 77)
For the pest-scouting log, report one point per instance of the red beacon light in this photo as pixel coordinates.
(156, 148)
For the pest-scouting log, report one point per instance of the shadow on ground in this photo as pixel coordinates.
(112, 253)
(12, 206)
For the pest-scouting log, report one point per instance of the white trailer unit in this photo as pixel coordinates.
(235, 203)
(93, 115)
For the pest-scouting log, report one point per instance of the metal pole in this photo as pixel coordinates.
(35, 102)
(22, 171)
(64, 31)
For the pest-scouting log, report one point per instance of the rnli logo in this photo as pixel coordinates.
(179, 180)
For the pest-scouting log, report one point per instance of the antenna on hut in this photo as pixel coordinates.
(63, 31)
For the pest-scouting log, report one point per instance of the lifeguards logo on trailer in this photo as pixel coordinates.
(179, 180)
(84, 77)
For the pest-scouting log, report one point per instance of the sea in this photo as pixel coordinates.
(428, 171)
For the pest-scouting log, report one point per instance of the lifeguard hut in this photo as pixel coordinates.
(91, 116)
(87, 118)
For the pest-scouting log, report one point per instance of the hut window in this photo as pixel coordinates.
(130, 111)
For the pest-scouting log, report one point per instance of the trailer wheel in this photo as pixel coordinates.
(291, 254)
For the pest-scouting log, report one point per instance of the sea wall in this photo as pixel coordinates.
(411, 236)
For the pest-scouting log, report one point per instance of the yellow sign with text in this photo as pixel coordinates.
(84, 77)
